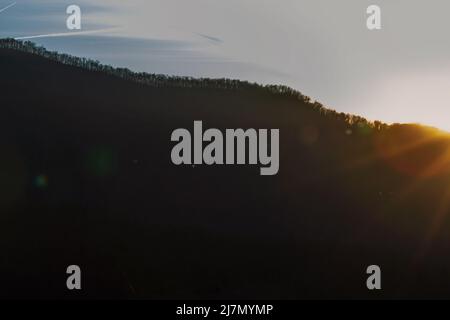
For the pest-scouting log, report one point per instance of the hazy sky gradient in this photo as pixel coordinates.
(322, 48)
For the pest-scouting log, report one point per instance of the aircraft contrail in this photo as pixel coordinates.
(65, 34)
(214, 39)
(7, 7)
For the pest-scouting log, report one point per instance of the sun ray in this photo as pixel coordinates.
(363, 162)
(435, 226)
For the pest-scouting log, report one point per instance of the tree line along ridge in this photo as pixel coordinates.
(161, 80)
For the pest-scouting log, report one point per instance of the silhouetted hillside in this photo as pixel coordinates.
(86, 178)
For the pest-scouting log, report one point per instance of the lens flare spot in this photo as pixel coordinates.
(309, 135)
(364, 128)
(101, 161)
(41, 181)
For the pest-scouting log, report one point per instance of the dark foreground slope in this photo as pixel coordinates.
(86, 178)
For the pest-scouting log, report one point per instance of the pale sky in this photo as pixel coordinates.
(400, 73)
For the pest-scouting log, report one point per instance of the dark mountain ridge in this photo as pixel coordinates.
(87, 179)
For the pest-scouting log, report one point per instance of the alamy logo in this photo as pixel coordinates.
(374, 280)
(74, 20)
(374, 19)
(236, 141)
(74, 280)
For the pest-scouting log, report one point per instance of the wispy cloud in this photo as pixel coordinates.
(214, 39)
(66, 34)
(7, 7)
